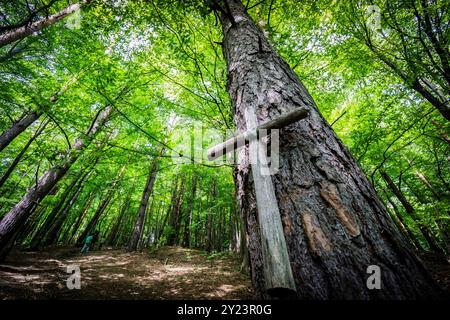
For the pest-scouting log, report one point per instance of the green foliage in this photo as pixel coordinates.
(156, 60)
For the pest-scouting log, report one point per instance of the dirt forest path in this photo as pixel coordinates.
(170, 273)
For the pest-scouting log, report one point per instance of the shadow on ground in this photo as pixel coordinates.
(170, 273)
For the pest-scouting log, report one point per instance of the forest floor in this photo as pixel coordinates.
(169, 273)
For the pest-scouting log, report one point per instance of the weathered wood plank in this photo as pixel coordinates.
(240, 140)
(279, 280)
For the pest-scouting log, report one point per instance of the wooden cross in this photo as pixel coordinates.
(278, 276)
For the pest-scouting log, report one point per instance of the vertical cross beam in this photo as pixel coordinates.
(279, 280)
(278, 277)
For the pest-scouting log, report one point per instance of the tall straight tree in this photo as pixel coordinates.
(335, 226)
(81, 215)
(11, 223)
(119, 220)
(139, 224)
(102, 206)
(190, 211)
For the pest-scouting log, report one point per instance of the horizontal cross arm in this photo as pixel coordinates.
(239, 140)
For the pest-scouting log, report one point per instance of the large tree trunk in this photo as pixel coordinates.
(22, 210)
(29, 29)
(335, 226)
(139, 224)
(17, 128)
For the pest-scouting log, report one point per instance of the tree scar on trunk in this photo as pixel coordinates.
(315, 235)
(330, 193)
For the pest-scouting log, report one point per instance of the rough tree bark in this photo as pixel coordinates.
(334, 223)
(22, 210)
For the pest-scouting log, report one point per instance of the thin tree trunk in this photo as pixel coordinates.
(113, 233)
(334, 223)
(173, 237)
(427, 183)
(198, 224)
(224, 230)
(160, 224)
(401, 222)
(114, 230)
(125, 207)
(16, 161)
(187, 229)
(44, 229)
(208, 226)
(410, 210)
(17, 128)
(52, 235)
(28, 30)
(21, 211)
(85, 209)
(152, 224)
(232, 223)
(101, 207)
(139, 225)
(31, 224)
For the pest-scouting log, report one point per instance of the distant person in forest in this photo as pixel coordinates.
(90, 240)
